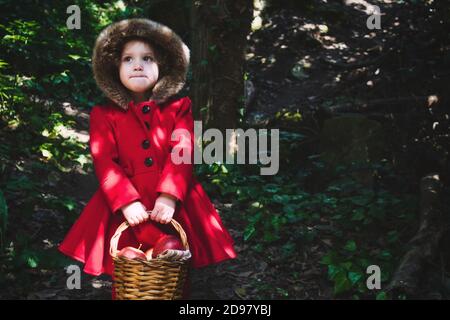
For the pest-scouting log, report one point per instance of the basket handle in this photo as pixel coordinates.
(124, 226)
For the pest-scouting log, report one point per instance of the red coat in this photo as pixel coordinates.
(131, 154)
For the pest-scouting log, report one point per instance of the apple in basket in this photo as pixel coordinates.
(132, 253)
(148, 254)
(165, 243)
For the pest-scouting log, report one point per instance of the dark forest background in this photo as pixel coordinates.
(364, 128)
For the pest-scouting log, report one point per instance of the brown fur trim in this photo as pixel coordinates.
(109, 44)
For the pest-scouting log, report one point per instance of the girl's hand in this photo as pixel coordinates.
(135, 213)
(164, 208)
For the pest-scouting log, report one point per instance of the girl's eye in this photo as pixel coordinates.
(148, 58)
(127, 59)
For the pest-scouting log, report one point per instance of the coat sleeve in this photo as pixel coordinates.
(176, 178)
(114, 183)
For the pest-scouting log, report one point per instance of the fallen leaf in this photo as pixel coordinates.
(240, 292)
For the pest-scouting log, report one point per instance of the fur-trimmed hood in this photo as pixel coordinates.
(176, 56)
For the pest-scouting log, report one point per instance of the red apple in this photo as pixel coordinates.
(165, 243)
(132, 253)
(148, 254)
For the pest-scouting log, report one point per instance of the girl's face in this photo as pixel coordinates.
(138, 67)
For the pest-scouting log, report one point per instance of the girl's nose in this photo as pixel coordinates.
(137, 66)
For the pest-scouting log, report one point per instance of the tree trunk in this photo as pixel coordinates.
(424, 245)
(219, 35)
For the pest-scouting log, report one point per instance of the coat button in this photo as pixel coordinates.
(147, 125)
(145, 144)
(145, 109)
(148, 161)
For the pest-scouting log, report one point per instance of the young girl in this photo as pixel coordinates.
(140, 65)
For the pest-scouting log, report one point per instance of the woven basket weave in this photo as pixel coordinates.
(156, 279)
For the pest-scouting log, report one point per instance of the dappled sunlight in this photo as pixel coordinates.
(95, 147)
(213, 221)
(111, 179)
(229, 250)
(183, 142)
(69, 133)
(361, 5)
(160, 135)
(432, 99)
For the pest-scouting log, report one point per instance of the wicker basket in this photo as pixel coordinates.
(156, 279)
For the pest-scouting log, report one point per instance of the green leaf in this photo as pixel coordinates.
(281, 198)
(255, 218)
(329, 258)
(393, 236)
(271, 188)
(290, 208)
(256, 204)
(381, 296)
(258, 248)
(74, 56)
(249, 232)
(341, 283)
(270, 236)
(224, 169)
(350, 246)
(346, 265)
(354, 277)
(82, 159)
(385, 255)
(358, 214)
(283, 292)
(69, 204)
(333, 271)
(360, 200)
(297, 72)
(32, 262)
